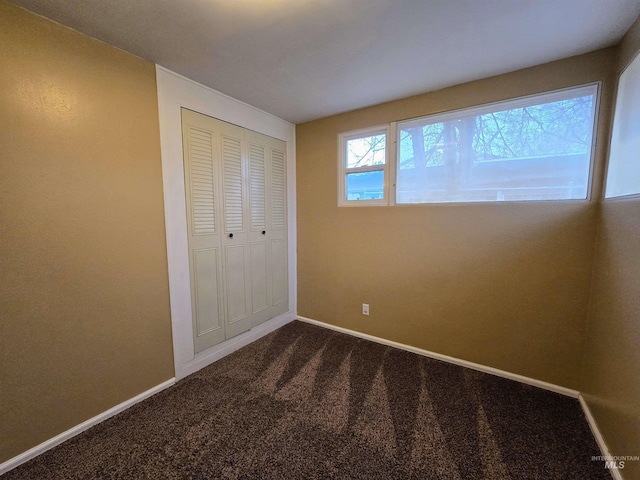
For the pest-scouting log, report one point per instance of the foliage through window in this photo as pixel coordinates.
(535, 148)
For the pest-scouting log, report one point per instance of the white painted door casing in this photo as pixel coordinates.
(174, 93)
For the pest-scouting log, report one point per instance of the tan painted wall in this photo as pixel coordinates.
(612, 354)
(504, 285)
(83, 281)
(84, 295)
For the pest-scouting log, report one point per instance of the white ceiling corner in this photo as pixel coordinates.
(305, 59)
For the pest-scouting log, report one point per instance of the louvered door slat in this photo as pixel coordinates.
(202, 181)
(278, 191)
(258, 187)
(232, 166)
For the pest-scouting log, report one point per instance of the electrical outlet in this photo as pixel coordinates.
(365, 309)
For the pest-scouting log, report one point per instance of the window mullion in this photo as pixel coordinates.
(392, 153)
(369, 168)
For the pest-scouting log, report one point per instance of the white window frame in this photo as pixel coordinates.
(386, 168)
(613, 163)
(518, 102)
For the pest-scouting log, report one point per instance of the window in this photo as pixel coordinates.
(532, 148)
(623, 175)
(364, 167)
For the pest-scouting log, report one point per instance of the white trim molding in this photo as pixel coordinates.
(445, 358)
(604, 450)
(175, 92)
(201, 360)
(72, 432)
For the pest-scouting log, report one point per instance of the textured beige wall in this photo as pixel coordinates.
(504, 285)
(84, 296)
(612, 354)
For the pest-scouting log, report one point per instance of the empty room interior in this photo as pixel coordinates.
(320, 239)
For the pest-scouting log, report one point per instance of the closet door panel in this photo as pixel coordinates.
(237, 266)
(278, 239)
(279, 271)
(258, 234)
(235, 272)
(208, 318)
(202, 190)
(259, 277)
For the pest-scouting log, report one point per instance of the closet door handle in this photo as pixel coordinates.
(231, 235)
(264, 232)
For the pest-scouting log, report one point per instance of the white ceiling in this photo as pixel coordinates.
(305, 59)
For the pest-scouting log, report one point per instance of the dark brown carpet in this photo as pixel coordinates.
(309, 403)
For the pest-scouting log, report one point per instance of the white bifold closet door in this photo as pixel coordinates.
(237, 222)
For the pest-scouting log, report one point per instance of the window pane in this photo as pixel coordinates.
(537, 152)
(623, 176)
(366, 151)
(365, 186)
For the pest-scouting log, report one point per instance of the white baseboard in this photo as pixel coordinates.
(604, 450)
(445, 358)
(227, 347)
(200, 361)
(230, 346)
(72, 432)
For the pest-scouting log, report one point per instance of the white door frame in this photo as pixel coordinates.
(175, 92)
